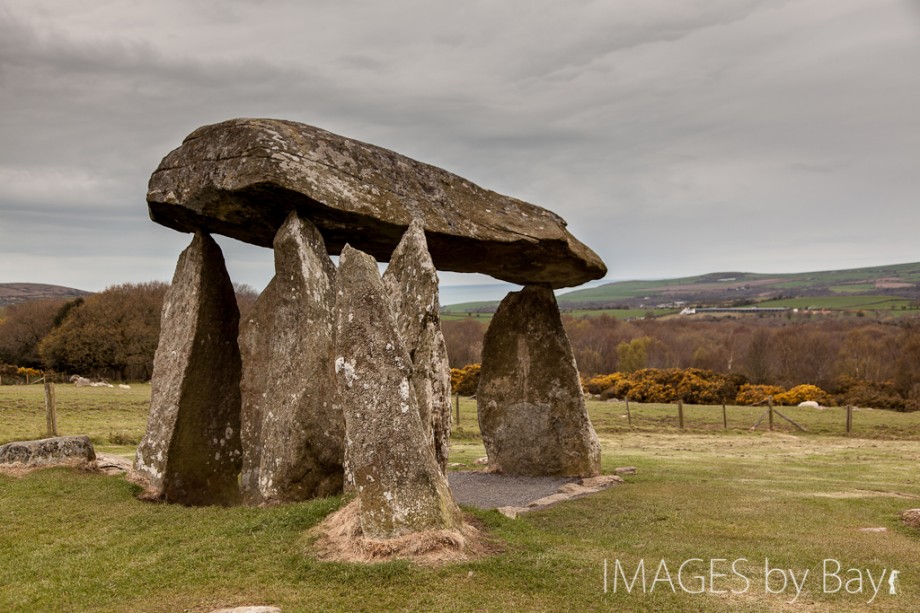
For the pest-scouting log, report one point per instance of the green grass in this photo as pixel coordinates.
(611, 417)
(109, 416)
(853, 288)
(620, 313)
(617, 313)
(81, 542)
(465, 307)
(482, 317)
(840, 302)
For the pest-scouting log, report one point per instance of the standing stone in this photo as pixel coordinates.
(531, 407)
(190, 453)
(412, 282)
(400, 488)
(292, 431)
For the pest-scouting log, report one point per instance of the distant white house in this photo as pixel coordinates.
(695, 310)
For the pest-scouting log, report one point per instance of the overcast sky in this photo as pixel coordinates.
(676, 137)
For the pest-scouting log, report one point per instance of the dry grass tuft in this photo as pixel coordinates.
(339, 539)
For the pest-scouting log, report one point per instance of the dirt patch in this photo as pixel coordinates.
(485, 490)
(104, 463)
(18, 470)
(858, 493)
(339, 539)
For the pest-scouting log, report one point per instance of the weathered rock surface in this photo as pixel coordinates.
(243, 177)
(531, 407)
(911, 517)
(568, 491)
(47, 451)
(292, 432)
(400, 487)
(412, 282)
(191, 453)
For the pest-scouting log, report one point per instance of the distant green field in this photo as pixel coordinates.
(468, 306)
(858, 288)
(617, 313)
(483, 317)
(841, 302)
(852, 288)
(620, 313)
(614, 291)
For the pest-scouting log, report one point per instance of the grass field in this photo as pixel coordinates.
(843, 303)
(617, 313)
(81, 542)
(113, 418)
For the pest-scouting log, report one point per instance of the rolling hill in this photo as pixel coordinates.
(887, 287)
(15, 293)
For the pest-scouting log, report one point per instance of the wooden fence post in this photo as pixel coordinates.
(457, 403)
(628, 414)
(50, 409)
(849, 418)
(680, 412)
(724, 417)
(770, 410)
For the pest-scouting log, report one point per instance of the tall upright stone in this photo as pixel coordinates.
(531, 406)
(292, 430)
(191, 453)
(399, 485)
(412, 282)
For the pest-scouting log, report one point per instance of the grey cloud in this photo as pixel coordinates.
(669, 135)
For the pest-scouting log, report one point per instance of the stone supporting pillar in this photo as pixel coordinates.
(292, 431)
(531, 406)
(412, 283)
(191, 452)
(387, 453)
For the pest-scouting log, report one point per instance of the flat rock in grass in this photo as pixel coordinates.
(400, 487)
(242, 178)
(112, 464)
(48, 451)
(911, 518)
(601, 482)
(293, 432)
(191, 453)
(512, 512)
(412, 282)
(575, 489)
(531, 408)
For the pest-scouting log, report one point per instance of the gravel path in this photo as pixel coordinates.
(490, 491)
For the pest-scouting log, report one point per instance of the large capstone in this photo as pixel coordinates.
(191, 453)
(243, 177)
(531, 406)
(292, 431)
(412, 282)
(392, 466)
